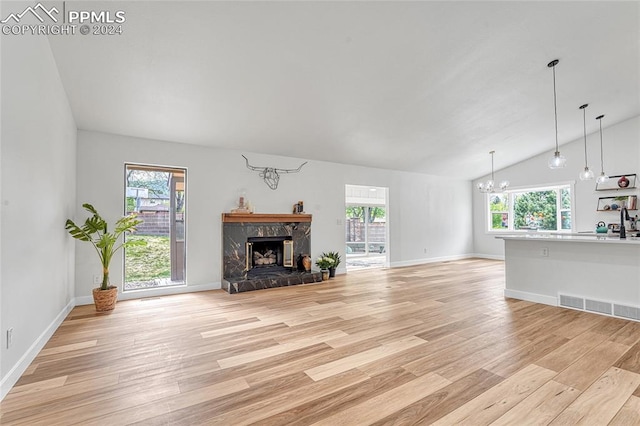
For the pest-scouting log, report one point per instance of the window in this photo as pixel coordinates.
(539, 209)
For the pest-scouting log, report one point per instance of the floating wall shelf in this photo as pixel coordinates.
(612, 183)
(616, 203)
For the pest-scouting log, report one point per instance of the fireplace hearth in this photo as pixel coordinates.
(261, 251)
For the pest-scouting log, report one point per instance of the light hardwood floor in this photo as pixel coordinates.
(427, 344)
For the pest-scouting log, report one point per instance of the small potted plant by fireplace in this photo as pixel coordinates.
(336, 261)
(324, 263)
(95, 231)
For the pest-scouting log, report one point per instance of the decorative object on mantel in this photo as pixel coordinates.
(488, 186)
(557, 161)
(298, 208)
(243, 206)
(603, 177)
(587, 173)
(617, 183)
(271, 175)
(336, 261)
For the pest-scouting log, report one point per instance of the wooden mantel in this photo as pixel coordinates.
(264, 217)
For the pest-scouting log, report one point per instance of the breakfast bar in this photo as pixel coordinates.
(588, 272)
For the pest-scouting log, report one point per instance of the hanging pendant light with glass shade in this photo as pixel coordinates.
(557, 161)
(603, 177)
(489, 186)
(587, 173)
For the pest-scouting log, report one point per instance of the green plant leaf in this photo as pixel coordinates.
(77, 232)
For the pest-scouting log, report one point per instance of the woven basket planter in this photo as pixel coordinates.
(105, 300)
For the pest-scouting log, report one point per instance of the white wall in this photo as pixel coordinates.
(425, 211)
(621, 144)
(38, 194)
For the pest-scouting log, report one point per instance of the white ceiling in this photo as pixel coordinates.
(428, 87)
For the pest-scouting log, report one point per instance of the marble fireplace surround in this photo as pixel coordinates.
(237, 227)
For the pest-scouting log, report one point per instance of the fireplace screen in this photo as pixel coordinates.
(268, 254)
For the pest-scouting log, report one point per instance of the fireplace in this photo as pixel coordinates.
(265, 255)
(261, 251)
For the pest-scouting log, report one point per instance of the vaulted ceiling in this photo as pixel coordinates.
(427, 87)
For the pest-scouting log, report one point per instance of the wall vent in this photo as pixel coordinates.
(597, 306)
(571, 302)
(600, 307)
(626, 312)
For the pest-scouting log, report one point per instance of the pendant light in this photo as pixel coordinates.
(557, 161)
(603, 177)
(587, 173)
(489, 186)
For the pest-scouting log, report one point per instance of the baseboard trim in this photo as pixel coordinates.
(531, 297)
(154, 292)
(430, 260)
(489, 256)
(12, 377)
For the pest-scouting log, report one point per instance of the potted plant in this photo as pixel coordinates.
(324, 263)
(336, 261)
(95, 231)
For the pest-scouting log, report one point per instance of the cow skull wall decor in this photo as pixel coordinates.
(271, 175)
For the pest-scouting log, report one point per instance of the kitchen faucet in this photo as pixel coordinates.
(624, 215)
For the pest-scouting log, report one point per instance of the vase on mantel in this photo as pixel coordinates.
(325, 274)
(332, 272)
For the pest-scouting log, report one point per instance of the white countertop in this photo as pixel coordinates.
(574, 238)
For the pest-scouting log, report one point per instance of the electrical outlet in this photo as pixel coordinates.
(97, 279)
(9, 337)
(544, 252)
(425, 251)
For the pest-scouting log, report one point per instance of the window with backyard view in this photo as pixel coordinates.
(540, 209)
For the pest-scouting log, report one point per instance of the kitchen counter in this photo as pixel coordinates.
(575, 237)
(592, 270)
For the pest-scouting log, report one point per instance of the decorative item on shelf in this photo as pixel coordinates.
(587, 173)
(336, 261)
(603, 177)
(557, 161)
(105, 243)
(271, 175)
(623, 182)
(304, 263)
(489, 186)
(325, 274)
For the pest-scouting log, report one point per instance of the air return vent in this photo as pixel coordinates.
(597, 306)
(571, 302)
(626, 312)
(600, 307)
